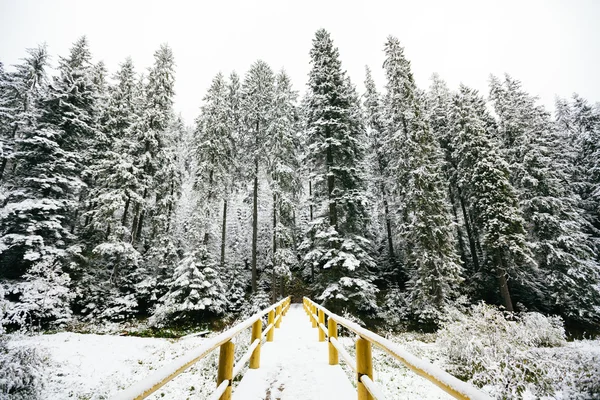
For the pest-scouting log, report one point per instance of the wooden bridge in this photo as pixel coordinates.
(297, 356)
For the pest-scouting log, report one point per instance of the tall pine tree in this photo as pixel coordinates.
(484, 178)
(432, 261)
(336, 151)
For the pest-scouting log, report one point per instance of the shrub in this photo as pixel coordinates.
(493, 348)
(21, 372)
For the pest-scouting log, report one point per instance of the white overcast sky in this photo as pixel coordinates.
(553, 47)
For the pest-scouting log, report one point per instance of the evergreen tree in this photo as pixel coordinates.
(257, 103)
(215, 147)
(35, 220)
(439, 106)
(195, 291)
(154, 137)
(555, 226)
(150, 141)
(234, 123)
(283, 165)
(34, 217)
(427, 230)
(586, 127)
(108, 284)
(484, 178)
(19, 92)
(335, 153)
(379, 146)
(72, 106)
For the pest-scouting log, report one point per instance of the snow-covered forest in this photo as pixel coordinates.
(399, 206)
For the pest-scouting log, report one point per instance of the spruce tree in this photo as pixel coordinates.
(257, 103)
(431, 257)
(19, 92)
(46, 165)
(149, 131)
(72, 106)
(36, 219)
(379, 149)
(335, 152)
(155, 135)
(108, 284)
(439, 106)
(540, 172)
(195, 292)
(234, 126)
(283, 164)
(586, 136)
(484, 178)
(214, 147)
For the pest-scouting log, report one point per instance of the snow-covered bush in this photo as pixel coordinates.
(258, 302)
(497, 349)
(393, 311)
(107, 289)
(42, 298)
(196, 291)
(21, 372)
(577, 369)
(236, 294)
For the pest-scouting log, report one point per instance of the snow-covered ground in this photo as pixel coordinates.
(295, 366)
(90, 366)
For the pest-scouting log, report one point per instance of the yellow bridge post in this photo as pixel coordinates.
(332, 333)
(256, 334)
(225, 371)
(313, 310)
(364, 366)
(321, 321)
(280, 316)
(270, 320)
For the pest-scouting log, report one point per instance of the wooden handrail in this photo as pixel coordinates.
(155, 381)
(452, 385)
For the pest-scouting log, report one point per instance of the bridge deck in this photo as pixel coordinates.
(295, 366)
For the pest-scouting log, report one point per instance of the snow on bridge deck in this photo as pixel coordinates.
(295, 366)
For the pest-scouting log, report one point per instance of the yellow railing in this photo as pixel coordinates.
(363, 365)
(227, 370)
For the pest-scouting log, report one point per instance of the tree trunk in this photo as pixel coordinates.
(223, 234)
(273, 287)
(503, 283)
(459, 232)
(274, 280)
(470, 232)
(126, 209)
(75, 220)
(294, 230)
(310, 199)
(208, 203)
(170, 206)
(274, 226)
(134, 223)
(255, 220)
(388, 223)
(140, 225)
(140, 220)
(2, 167)
(330, 187)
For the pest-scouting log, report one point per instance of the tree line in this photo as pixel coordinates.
(391, 205)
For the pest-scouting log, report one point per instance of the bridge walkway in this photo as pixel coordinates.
(295, 366)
